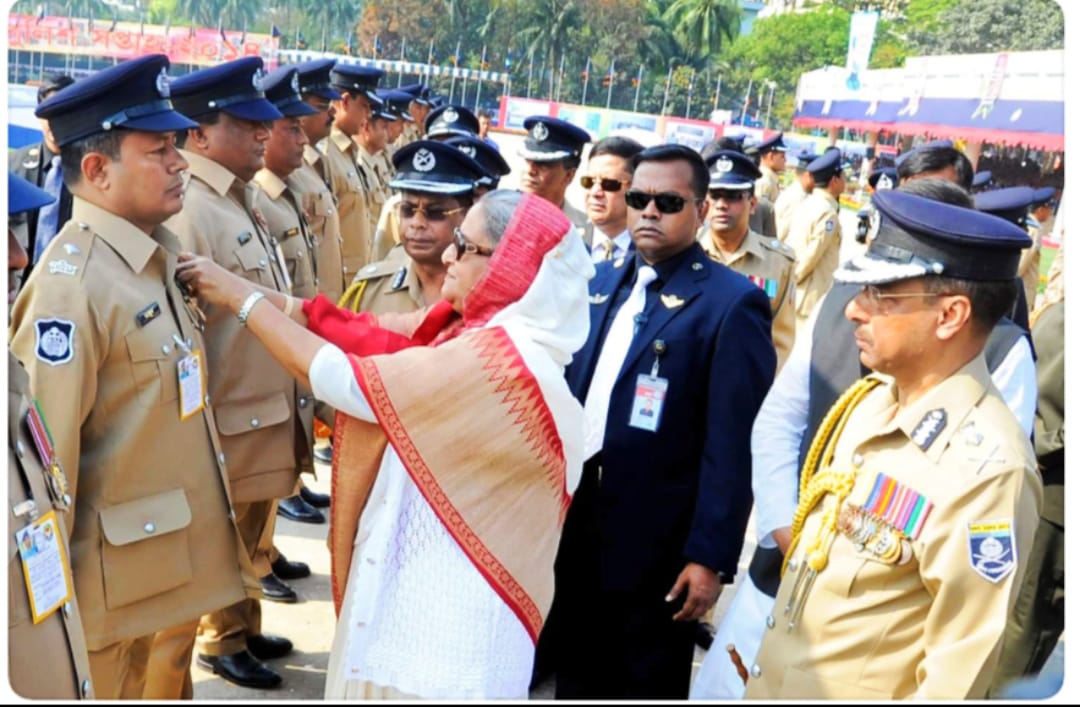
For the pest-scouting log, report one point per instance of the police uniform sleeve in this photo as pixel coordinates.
(386, 233)
(826, 226)
(783, 326)
(55, 332)
(964, 626)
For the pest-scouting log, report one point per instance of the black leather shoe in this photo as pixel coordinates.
(325, 454)
(240, 669)
(319, 500)
(265, 647)
(284, 569)
(276, 590)
(296, 508)
(703, 635)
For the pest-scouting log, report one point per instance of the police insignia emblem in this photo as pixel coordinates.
(256, 79)
(830, 226)
(598, 298)
(929, 428)
(468, 150)
(62, 267)
(540, 132)
(71, 249)
(672, 301)
(423, 161)
(399, 279)
(450, 115)
(724, 165)
(884, 182)
(161, 83)
(294, 84)
(55, 345)
(992, 549)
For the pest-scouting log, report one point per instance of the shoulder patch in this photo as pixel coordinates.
(777, 247)
(399, 278)
(830, 226)
(992, 548)
(55, 341)
(62, 267)
(929, 428)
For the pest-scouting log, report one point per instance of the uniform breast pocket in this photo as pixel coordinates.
(145, 547)
(153, 362)
(253, 260)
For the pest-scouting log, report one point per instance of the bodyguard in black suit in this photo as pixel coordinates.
(657, 523)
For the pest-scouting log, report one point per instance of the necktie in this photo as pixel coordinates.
(609, 248)
(49, 216)
(612, 355)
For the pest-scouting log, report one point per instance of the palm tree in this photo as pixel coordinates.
(702, 26)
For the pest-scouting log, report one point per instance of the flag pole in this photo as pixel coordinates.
(689, 92)
(528, 88)
(716, 96)
(611, 82)
(637, 90)
(746, 102)
(667, 89)
(585, 79)
(401, 66)
(562, 69)
(453, 74)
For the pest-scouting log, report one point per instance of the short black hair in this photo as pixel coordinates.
(71, 154)
(618, 146)
(52, 84)
(935, 159)
(939, 189)
(212, 118)
(699, 183)
(990, 300)
(823, 179)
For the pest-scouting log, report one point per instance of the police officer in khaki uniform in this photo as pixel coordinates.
(919, 499)
(815, 235)
(356, 85)
(793, 195)
(727, 239)
(397, 102)
(36, 490)
(773, 161)
(312, 178)
(419, 108)
(117, 362)
(373, 138)
(552, 153)
(256, 400)
(437, 183)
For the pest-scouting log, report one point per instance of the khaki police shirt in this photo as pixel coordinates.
(377, 191)
(785, 206)
(815, 237)
(280, 204)
(930, 625)
(254, 397)
(1028, 269)
(321, 213)
(411, 133)
(101, 328)
(46, 660)
(388, 232)
(768, 185)
(350, 190)
(770, 265)
(391, 286)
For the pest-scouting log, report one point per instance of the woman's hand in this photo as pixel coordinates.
(212, 283)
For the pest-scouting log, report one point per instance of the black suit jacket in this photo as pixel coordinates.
(682, 493)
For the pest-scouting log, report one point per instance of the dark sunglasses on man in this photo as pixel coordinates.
(606, 184)
(666, 202)
(430, 213)
(731, 196)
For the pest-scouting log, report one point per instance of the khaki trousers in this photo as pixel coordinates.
(169, 669)
(225, 631)
(118, 670)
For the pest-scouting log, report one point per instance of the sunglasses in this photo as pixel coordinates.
(605, 184)
(433, 214)
(463, 245)
(728, 195)
(666, 203)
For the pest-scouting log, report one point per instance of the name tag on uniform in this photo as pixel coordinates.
(190, 372)
(648, 402)
(45, 566)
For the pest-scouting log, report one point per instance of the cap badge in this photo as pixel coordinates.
(884, 182)
(540, 132)
(162, 83)
(468, 150)
(450, 116)
(256, 79)
(295, 83)
(724, 165)
(423, 161)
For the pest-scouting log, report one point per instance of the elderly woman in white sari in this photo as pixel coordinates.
(455, 457)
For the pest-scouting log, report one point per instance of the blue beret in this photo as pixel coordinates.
(551, 139)
(729, 169)
(488, 157)
(451, 120)
(282, 88)
(133, 95)
(24, 196)
(772, 144)
(981, 179)
(920, 236)
(431, 167)
(1043, 196)
(355, 79)
(1010, 203)
(884, 178)
(315, 78)
(234, 88)
(397, 101)
(827, 165)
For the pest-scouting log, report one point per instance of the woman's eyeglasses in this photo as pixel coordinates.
(605, 184)
(430, 213)
(463, 245)
(666, 203)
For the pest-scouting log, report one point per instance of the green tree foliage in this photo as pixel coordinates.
(703, 27)
(974, 26)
